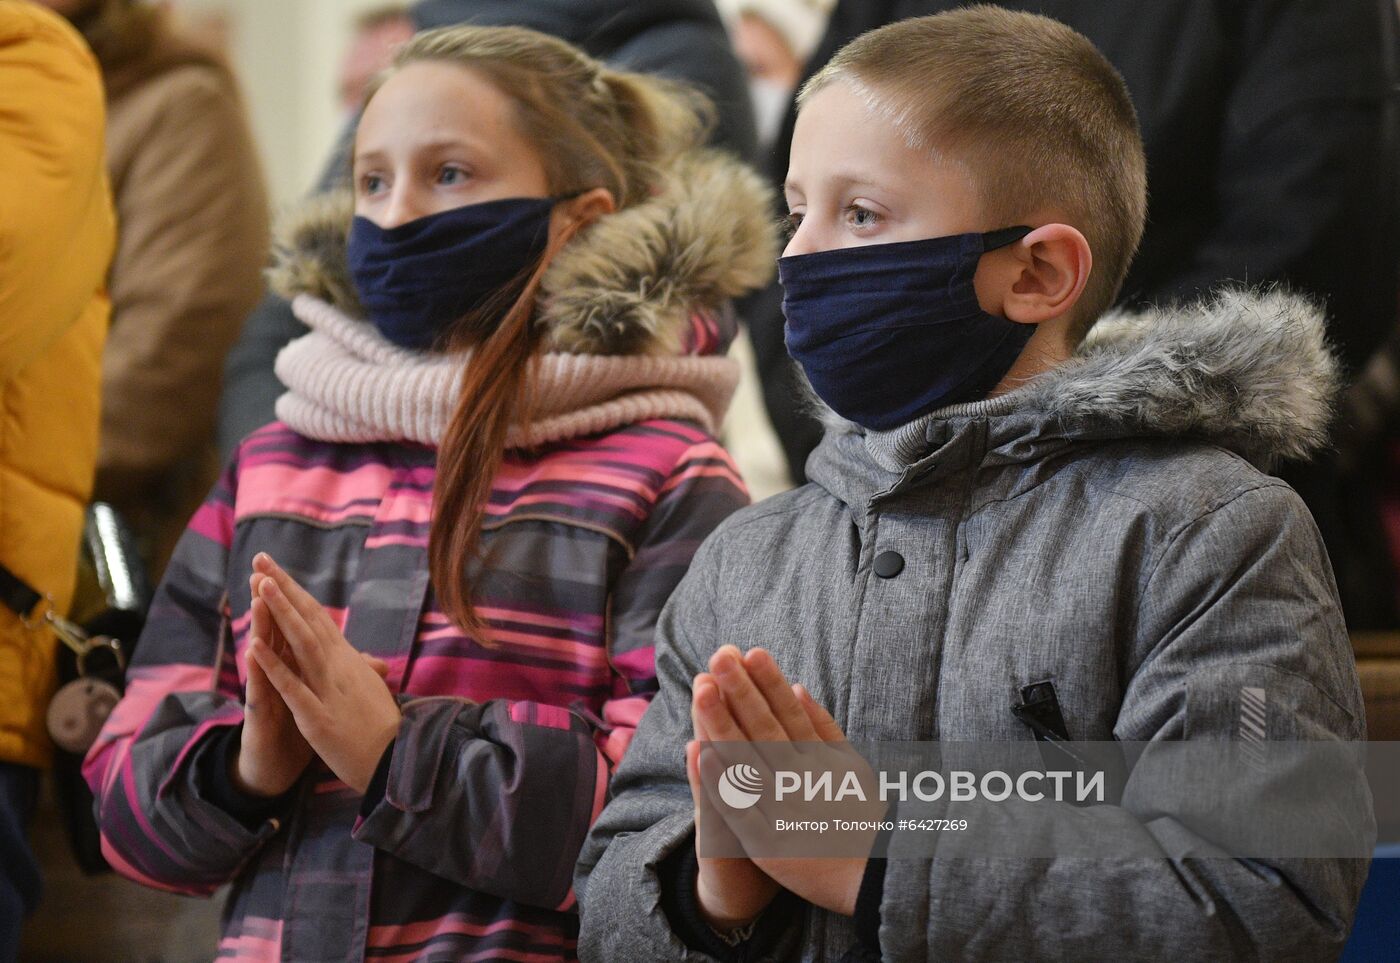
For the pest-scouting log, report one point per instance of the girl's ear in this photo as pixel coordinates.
(577, 213)
(571, 216)
(586, 208)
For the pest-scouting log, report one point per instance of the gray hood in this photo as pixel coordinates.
(1247, 371)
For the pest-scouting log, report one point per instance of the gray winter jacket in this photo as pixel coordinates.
(1105, 527)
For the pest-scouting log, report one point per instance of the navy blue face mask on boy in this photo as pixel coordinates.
(415, 280)
(889, 332)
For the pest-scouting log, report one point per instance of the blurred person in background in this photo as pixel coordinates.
(773, 39)
(681, 39)
(1270, 128)
(378, 33)
(56, 240)
(193, 238)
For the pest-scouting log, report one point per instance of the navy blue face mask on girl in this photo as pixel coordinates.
(415, 280)
(889, 332)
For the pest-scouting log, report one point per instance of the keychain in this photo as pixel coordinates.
(80, 708)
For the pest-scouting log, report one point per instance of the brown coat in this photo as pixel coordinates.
(193, 221)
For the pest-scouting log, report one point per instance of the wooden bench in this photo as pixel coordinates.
(1378, 665)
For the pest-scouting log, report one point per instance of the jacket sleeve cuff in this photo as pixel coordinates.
(213, 763)
(872, 891)
(379, 784)
(678, 873)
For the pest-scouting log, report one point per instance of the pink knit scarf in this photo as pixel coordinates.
(346, 383)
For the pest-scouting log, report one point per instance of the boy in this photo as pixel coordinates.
(999, 511)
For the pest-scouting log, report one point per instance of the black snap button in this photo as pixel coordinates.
(889, 564)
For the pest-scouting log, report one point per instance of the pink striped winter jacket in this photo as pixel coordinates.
(464, 847)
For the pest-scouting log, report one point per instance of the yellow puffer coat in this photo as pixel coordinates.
(57, 234)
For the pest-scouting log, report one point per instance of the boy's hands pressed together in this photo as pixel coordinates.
(745, 697)
(337, 696)
(730, 891)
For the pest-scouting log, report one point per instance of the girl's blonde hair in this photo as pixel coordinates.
(592, 127)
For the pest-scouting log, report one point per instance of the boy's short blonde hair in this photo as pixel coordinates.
(1030, 107)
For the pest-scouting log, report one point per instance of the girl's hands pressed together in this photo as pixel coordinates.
(272, 753)
(337, 697)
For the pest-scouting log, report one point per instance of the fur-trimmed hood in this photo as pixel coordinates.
(626, 285)
(1249, 371)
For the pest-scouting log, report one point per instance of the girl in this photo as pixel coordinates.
(493, 464)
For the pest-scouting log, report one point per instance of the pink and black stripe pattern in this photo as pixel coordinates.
(503, 759)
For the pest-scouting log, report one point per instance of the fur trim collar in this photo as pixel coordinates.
(627, 285)
(1247, 370)
(1250, 371)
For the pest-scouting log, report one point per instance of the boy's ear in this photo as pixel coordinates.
(1039, 278)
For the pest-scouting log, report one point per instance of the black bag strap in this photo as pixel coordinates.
(16, 594)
